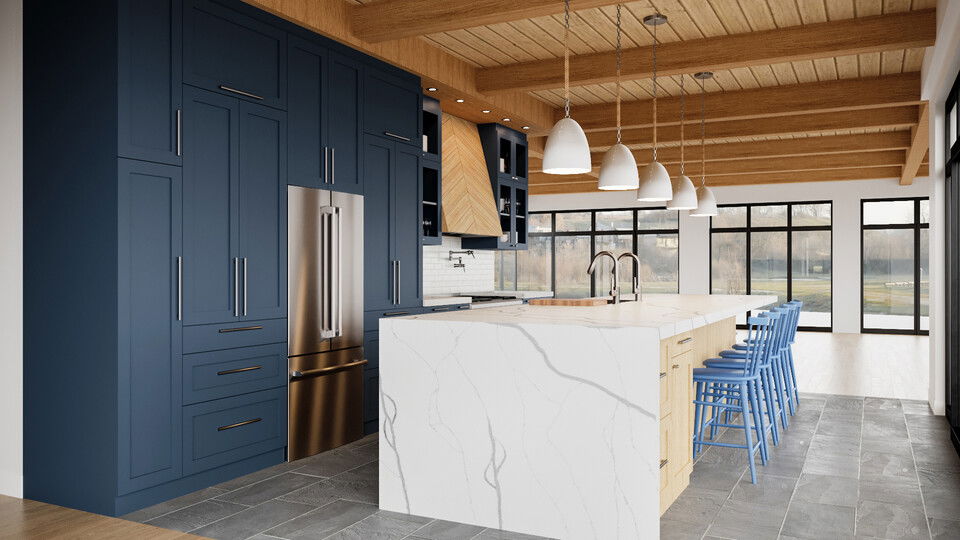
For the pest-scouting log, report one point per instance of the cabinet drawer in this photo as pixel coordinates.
(233, 54)
(219, 432)
(679, 344)
(231, 372)
(211, 337)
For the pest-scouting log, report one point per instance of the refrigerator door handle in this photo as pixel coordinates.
(330, 271)
(236, 286)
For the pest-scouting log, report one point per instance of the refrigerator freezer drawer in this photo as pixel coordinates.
(326, 401)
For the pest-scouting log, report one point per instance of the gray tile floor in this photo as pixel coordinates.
(847, 468)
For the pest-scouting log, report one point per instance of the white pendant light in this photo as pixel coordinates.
(619, 168)
(655, 185)
(566, 150)
(706, 200)
(684, 192)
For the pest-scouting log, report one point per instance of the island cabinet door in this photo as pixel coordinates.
(681, 398)
(149, 332)
(262, 215)
(149, 75)
(407, 227)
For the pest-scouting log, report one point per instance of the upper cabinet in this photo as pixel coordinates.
(149, 73)
(392, 107)
(230, 53)
(324, 106)
(432, 122)
(505, 151)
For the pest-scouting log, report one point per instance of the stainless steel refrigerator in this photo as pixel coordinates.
(325, 319)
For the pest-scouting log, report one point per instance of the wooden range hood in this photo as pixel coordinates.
(468, 206)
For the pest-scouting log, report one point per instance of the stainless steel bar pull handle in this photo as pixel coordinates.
(240, 329)
(326, 167)
(663, 463)
(239, 370)
(333, 165)
(685, 340)
(179, 132)
(297, 374)
(241, 92)
(236, 286)
(244, 286)
(330, 271)
(395, 136)
(179, 288)
(238, 424)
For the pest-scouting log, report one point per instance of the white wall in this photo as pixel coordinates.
(440, 277)
(695, 233)
(941, 64)
(11, 248)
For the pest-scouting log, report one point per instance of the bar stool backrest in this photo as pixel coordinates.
(797, 305)
(761, 341)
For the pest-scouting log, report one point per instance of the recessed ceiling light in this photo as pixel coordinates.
(459, 101)
(485, 111)
(526, 127)
(505, 119)
(432, 89)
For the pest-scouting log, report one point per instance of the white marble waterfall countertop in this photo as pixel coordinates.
(671, 314)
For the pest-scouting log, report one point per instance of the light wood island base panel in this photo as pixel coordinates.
(679, 354)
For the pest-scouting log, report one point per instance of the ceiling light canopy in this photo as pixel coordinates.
(566, 150)
(655, 185)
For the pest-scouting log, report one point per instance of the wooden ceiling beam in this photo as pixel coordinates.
(890, 117)
(581, 184)
(395, 19)
(804, 146)
(919, 146)
(794, 43)
(827, 96)
(769, 165)
(332, 18)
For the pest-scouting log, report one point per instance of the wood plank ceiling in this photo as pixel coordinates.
(803, 90)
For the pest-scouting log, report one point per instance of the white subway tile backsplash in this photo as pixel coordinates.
(440, 277)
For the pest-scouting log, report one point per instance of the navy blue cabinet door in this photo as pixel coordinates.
(391, 107)
(231, 53)
(149, 334)
(378, 264)
(210, 163)
(407, 225)
(149, 75)
(262, 216)
(343, 120)
(309, 159)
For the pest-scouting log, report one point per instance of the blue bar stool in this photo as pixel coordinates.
(773, 389)
(788, 371)
(736, 390)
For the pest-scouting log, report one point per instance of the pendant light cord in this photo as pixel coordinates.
(683, 110)
(619, 63)
(566, 58)
(703, 136)
(655, 92)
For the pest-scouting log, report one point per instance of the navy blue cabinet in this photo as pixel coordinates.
(149, 74)
(392, 268)
(211, 125)
(149, 338)
(262, 212)
(391, 107)
(324, 107)
(234, 209)
(505, 152)
(231, 53)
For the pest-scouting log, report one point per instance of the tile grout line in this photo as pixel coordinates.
(796, 486)
(856, 509)
(916, 470)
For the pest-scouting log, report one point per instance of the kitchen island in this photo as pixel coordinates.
(564, 422)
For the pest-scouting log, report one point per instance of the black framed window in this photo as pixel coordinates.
(952, 260)
(895, 265)
(782, 249)
(562, 243)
